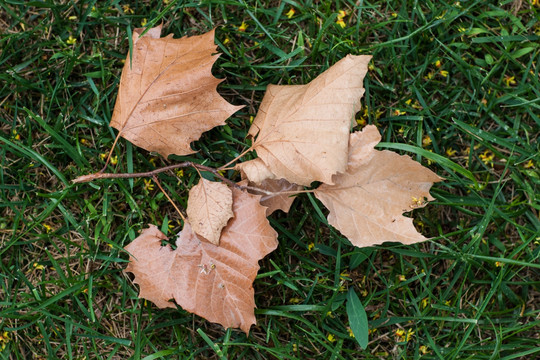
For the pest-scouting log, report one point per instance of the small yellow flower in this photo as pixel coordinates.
(48, 228)
(144, 22)
(499, 264)
(38, 266)
(372, 331)
(226, 41)
(342, 288)
(423, 349)
(243, 27)
(529, 164)
(429, 75)
(371, 67)
(114, 160)
(331, 338)
(394, 15)
(341, 14)
(310, 246)
(410, 334)
(361, 122)
(71, 40)
(103, 156)
(402, 278)
(72, 18)
(16, 135)
(148, 184)
(487, 157)
(425, 302)
(180, 173)
(461, 29)
(295, 347)
(85, 142)
(329, 313)
(341, 23)
(398, 112)
(437, 63)
(535, 2)
(295, 300)
(364, 292)
(510, 80)
(443, 73)
(450, 152)
(426, 141)
(290, 13)
(408, 102)
(127, 9)
(344, 276)
(349, 330)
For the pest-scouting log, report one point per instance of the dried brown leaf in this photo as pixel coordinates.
(302, 130)
(215, 282)
(367, 202)
(279, 194)
(209, 209)
(167, 96)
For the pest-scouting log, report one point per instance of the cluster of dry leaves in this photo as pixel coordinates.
(301, 134)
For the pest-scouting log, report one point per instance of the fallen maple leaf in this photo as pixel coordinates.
(167, 96)
(209, 209)
(215, 282)
(302, 131)
(367, 202)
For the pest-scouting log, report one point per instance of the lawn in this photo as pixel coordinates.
(454, 79)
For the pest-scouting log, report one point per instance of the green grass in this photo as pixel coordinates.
(471, 292)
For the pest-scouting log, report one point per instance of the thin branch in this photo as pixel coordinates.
(169, 198)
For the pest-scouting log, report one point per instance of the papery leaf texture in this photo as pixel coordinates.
(280, 194)
(367, 201)
(167, 96)
(302, 131)
(209, 209)
(215, 282)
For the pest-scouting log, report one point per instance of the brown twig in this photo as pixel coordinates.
(169, 198)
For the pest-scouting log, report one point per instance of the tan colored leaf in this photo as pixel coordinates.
(209, 209)
(255, 170)
(167, 96)
(367, 202)
(282, 197)
(215, 282)
(302, 130)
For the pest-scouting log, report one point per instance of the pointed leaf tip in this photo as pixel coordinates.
(168, 96)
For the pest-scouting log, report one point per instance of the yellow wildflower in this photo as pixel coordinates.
(423, 349)
(450, 152)
(425, 302)
(340, 18)
(329, 313)
(535, 3)
(344, 276)
(114, 160)
(180, 173)
(426, 141)
(349, 330)
(443, 73)
(290, 13)
(295, 347)
(342, 288)
(403, 336)
(529, 164)
(72, 18)
(148, 184)
(394, 15)
(48, 228)
(461, 29)
(4, 339)
(144, 22)
(226, 41)
(331, 338)
(295, 300)
(310, 246)
(487, 157)
(341, 23)
(510, 80)
(127, 9)
(361, 121)
(429, 75)
(437, 63)
(371, 67)
(16, 135)
(71, 40)
(243, 27)
(410, 334)
(363, 292)
(38, 266)
(402, 278)
(499, 264)
(103, 156)
(398, 112)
